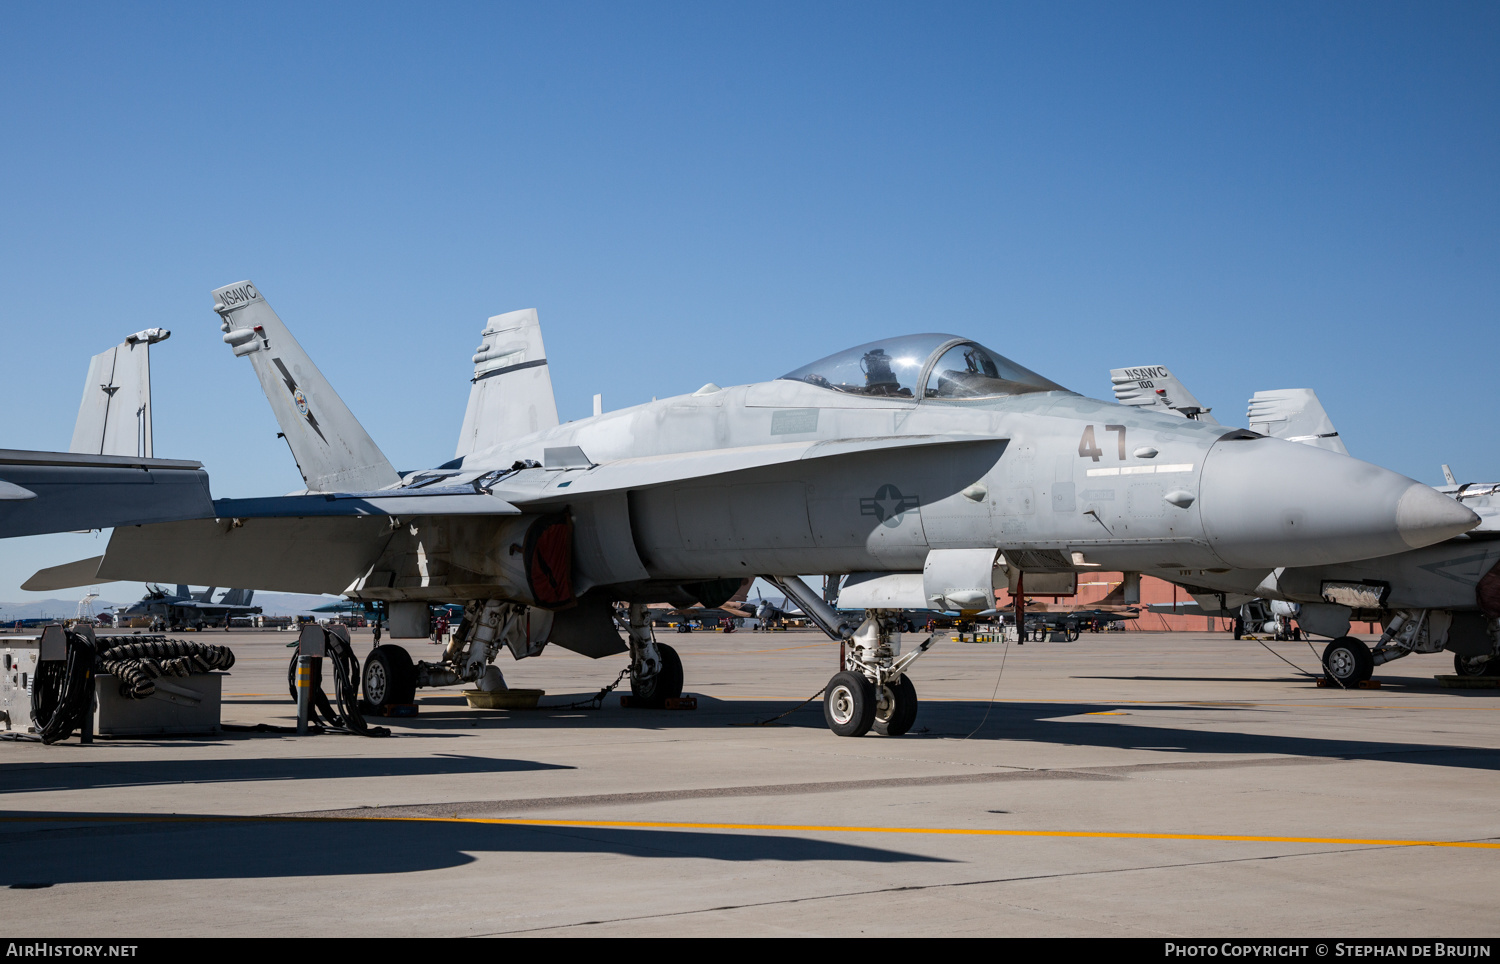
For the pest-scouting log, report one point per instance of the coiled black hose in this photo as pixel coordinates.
(62, 691)
(139, 661)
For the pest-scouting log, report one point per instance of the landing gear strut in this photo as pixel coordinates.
(872, 690)
(655, 668)
(489, 626)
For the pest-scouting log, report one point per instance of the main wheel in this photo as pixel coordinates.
(390, 679)
(1462, 667)
(895, 707)
(654, 691)
(849, 704)
(1348, 661)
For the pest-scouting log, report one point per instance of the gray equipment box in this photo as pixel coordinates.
(18, 661)
(181, 704)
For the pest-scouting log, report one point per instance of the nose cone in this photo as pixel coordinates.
(1268, 503)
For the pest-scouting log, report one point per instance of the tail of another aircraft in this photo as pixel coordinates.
(512, 393)
(115, 415)
(333, 452)
(237, 597)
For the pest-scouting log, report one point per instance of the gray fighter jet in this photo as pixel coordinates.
(192, 610)
(929, 464)
(1431, 599)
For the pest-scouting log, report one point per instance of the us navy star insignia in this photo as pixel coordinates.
(888, 504)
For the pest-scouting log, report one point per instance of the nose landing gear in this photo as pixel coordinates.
(873, 691)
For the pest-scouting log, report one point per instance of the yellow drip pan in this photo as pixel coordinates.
(504, 699)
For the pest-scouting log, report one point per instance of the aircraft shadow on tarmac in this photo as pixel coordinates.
(208, 848)
(1032, 722)
(78, 775)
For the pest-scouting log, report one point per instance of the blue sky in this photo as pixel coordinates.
(1256, 195)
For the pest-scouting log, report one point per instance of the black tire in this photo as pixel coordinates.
(1463, 667)
(654, 691)
(1239, 627)
(849, 704)
(899, 709)
(389, 678)
(1348, 661)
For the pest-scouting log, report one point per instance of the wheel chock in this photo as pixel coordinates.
(670, 703)
(397, 709)
(1368, 684)
(1469, 682)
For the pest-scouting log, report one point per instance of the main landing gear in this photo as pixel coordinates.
(655, 668)
(872, 691)
(1348, 661)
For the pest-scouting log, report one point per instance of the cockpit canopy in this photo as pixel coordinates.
(923, 366)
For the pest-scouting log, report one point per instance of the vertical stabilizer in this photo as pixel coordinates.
(333, 451)
(115, 415)
(1156, 388)
(1294, 414)
(512, 386)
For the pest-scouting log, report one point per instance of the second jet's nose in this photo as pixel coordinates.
(1269, 503)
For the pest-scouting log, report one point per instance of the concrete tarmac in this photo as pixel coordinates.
(1127, 784)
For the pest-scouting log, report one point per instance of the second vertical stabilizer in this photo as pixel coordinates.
(512, 393)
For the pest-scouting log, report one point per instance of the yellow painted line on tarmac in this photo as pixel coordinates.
(960, 832)
(771, 828)
(1200, 704)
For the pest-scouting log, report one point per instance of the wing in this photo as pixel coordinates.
(64, 492)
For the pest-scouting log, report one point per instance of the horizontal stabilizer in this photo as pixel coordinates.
(291, 555)
(512, 385)
(1296, 415)
(1156, 388)
(332, 449)
(69, 575)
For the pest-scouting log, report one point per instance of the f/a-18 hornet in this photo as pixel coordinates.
(929, 467)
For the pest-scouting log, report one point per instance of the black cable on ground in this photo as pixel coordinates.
(1004, 652)
(789, 712)
(593, 702)
(62, 691)
(347, 717)
(1289, 662)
